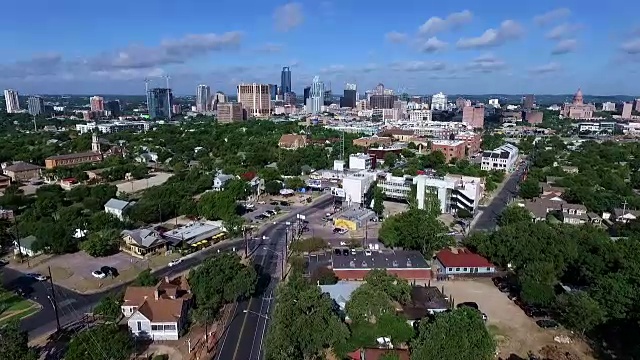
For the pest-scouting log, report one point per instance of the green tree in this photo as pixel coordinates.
(145, 278)
(105, 341)
(378, 201)
(580, 312)
(514, 214)
(238, 189)
(109, 308)
(273, 187)
(464, 214)
(294, 183)
(219, 280)
(396, 288)
(303, 324)
(415, 229)
(14, 343)
(367, 303)
(323, 276)
(102, 243)
(460, 334)
(390, 159)
(529, 189)
(217, 205)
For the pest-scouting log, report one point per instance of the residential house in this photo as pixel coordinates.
(570, 169)
(220, 180)
(574, 214)
(117, 207)
(378, 354)
(341, 291)
(22, 171)
(292, 141)
(158, 312)
(25, 246)
(425, 300)
(148, 158)
(625, 215)
(5, 181)
(142, 242)
(462, 262)
(6, 214)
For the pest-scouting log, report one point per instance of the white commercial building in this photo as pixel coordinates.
(439, 102)
(11, 100)
(203, 94)
(355, 186)
(315, 102)
(495, 103)
(503, 158)
(420, 116)
(454, 192)
(360, 162)
(609, 106)
(113, 127)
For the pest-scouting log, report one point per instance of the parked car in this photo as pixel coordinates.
(498, 281)
(532, 311)
(98, 274)
(338, 252)
(470, 304)
(36, 276)
(547, 324)
(284, 203)
(345, 252)
(274, 203)
(109, 270)
(262, 202)
(3, 262)
(175, 262)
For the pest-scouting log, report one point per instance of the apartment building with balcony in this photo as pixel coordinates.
(502, 159)
(454, 192)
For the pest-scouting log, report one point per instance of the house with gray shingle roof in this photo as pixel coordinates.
(142, 242)
(117, 207)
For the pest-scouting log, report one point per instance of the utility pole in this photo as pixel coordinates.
(54, 302)
(246, 242)
(15, 224)
(206, 332)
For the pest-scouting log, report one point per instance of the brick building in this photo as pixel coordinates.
(472, 141)
(73, 159)
(22, 171)
(409, 265)
(473, 116)
(292, 141)
(230, 112)
(373, 141)
(452, 149)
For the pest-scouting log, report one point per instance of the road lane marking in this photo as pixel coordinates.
(226, 335)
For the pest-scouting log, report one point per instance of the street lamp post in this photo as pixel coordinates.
(255, 313)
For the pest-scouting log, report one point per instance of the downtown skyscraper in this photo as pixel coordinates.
(159, 103)
(11, 100)
(203, 98)
(285, 80)
(316, 97)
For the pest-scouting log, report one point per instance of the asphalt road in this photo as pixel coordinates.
(73, 305)
(488, 219)
(244, 333)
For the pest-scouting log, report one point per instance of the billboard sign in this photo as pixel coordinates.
(339, 192)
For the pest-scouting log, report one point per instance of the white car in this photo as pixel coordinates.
(175, 262)
(98, 274)
(38, 277)
(262, 202)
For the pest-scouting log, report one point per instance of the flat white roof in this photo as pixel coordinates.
(447, 142)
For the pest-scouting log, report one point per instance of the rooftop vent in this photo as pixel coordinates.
(408, 263)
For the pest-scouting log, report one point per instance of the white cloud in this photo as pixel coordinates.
(631, 47)
(454, 21)
(416, 66)
(333, 69)
(551, 16)
(565, 46)
(561, 31)
(508, 30)
(395, 37)
(433, 44)
(486, 63)
(545, 69)
(288, 16)
(270, 48)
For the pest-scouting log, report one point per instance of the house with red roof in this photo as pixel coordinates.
(461, 262)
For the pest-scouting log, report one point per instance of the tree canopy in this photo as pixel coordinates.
(105, 341)
(14, 343)
(415, 229)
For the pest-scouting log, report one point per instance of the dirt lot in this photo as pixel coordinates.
(513, 330)
(142, 184)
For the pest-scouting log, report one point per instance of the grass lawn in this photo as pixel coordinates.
(15, 307)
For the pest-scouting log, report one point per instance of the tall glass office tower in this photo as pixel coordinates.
(316, 96)
(285, 80)
(159, 103)
(203, 98)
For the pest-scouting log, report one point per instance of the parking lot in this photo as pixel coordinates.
(514, 331)
(73, 271)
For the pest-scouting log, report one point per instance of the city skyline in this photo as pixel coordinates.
(459, 48)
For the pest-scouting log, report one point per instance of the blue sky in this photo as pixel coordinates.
(543, 47)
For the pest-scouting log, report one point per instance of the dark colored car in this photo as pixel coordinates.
(337, 252)
(275, 203)
(109, 271)
(504, 288)
(3, 262)
(533, 311)
(498, 281)
(468, 304)
(547, 324)
(284, 203)
(345, 252)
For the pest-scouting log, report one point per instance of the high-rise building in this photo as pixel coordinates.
(528, 101)
(348, 99)
(230, 112)
(627, 108)
(637, 106)
(274, 91)
(439, 102)
(113, 106)
(159, 103)
(306, 94)
(382, 101)
(35, 105)
(290, 98)
(328, 97)
(285, 80)
(11, 100)
(316, 96)
(255, 98)
(379, 89)
(473, 116)
(97, 103)
(608, 106)
(203, 93)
